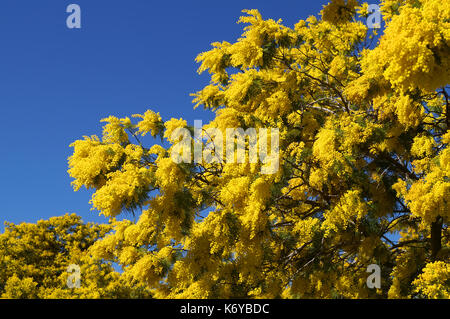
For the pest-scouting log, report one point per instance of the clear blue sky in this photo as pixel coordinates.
(57, 83)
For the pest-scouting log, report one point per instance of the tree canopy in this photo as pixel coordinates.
(362, 174)
(35, 262)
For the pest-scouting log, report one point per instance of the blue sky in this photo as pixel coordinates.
(57, 83)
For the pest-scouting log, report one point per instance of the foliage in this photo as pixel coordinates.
(34, 261)
(363, 176)
(364, 158)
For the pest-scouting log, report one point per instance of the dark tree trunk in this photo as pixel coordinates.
(436, 229)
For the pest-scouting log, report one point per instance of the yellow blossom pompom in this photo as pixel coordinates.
(151, 123)
(434, 280)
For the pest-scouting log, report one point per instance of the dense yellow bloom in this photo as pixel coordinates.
(172, 125)
(338, 11)
(363, 155)
(114, 131)
(151, 123)
(16, 288)
(92, 160)
(349, 210)
(35, 258)
(414, 49)
(423, 146)
(432, 280)
(122, 190)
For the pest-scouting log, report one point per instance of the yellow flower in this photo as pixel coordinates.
(151, 123)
